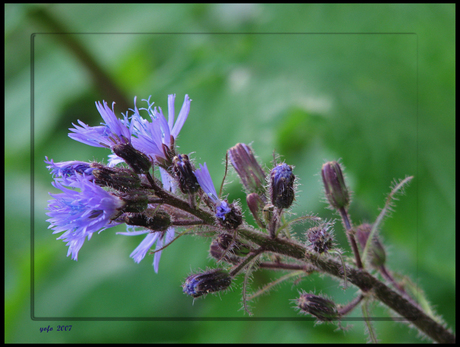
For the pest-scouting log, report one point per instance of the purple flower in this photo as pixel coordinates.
(68, 171)
(81, 213)
(149, 137)
(113, 132)
(161, 239)
(205, 181)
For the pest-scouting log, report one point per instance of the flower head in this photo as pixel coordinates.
(113, 132)
(204, 179)
(81, 213)
(156, 138)
(227, 214)
(68, 171)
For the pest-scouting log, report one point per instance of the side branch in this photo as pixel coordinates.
(359, 278)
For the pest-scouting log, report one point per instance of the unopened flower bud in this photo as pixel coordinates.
(251, 173)
(220, 254)
(256, 206)
(282, 186)
(236, 247)
(136, 160)
(150, 219)
(116, 178)
(206, 282)
(321, 239)
(318, 306)
(376, 252)
(334, 185)
(183, 170)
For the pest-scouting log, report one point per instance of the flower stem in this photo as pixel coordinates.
(351, 237)
(344, 310)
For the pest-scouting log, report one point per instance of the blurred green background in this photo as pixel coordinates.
(371, 85)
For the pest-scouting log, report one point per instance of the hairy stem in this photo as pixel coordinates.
(360, 278)
(357, 276)
(351, 237)
(171, 200)
(344, 310)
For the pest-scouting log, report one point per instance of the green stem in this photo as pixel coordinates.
(274, 283)
(370, 328)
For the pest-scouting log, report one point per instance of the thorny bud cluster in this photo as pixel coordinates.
(155, 190)
(321, 237)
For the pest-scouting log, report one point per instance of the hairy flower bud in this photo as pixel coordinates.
(220, 254)
(183, 170)
(136, 200)
(251, 173)
(334, 185)
(151, 219)
(116, 178)
(376, 252)
(223, 247)
(136, 160)
(236, 247)
(256, 206)
(282, 186)
(206, 282)
(318, 306)
(321, 239)
(229, 215)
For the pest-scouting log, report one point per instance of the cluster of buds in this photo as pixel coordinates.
(96, 197)
(321, 238)
(262, 198)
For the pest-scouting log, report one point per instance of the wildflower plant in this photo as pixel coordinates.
(95, 197)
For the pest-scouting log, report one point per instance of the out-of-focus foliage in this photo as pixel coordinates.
(372, 85)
